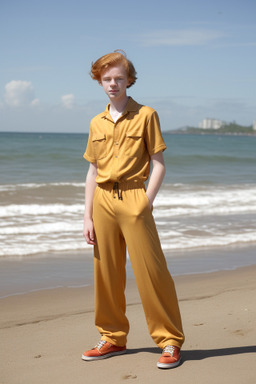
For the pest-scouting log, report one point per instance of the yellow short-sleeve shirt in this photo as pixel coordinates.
(122, 150)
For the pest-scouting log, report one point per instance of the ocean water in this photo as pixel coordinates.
(208, 198)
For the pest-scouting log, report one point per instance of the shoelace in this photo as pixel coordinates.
(100, 344)
(169, 349)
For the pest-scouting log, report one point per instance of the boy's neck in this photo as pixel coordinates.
(118, 106)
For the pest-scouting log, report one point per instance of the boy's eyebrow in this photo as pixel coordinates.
(114, 77)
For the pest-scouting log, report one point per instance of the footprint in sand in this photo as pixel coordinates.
(126, 377)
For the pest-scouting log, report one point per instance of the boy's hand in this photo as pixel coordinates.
(88, 232)
(150, 201)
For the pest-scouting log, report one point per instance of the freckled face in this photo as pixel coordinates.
(114, 81)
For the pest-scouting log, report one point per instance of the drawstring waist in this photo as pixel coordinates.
(118, 191)
(118, 187)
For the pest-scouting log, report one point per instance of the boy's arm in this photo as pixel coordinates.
(90, 185)
(156, 177)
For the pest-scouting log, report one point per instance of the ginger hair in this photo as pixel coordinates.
(110, 60)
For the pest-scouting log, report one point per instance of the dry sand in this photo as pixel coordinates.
(43, 335)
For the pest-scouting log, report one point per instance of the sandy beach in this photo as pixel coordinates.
(44, 333)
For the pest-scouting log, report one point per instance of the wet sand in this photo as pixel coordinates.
(44, 333)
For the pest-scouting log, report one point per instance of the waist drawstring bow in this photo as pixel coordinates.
(117, 191)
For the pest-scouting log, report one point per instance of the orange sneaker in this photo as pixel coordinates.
(103, 350)
(170, 357)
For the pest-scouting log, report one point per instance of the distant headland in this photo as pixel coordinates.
(217, 127)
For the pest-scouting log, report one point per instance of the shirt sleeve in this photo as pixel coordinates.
(89, 153)
(153, 136)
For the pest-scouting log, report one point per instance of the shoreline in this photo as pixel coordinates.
(57, 270)
(49, 330)
(175, 132)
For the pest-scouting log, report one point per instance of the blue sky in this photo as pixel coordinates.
(195, 59)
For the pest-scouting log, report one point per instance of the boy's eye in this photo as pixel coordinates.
(107, 79)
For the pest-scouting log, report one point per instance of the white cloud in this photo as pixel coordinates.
(20, 93)
(68, 101)
(35, 102)
(180, 37)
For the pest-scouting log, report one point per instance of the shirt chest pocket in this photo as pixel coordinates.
(99, 146)
(134, 144)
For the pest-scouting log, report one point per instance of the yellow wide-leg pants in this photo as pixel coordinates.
(122, 218)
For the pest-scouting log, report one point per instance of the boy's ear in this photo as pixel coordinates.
(129, 81)
(100, 83)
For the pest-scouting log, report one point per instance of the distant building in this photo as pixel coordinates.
(211, 124)
(254, 125)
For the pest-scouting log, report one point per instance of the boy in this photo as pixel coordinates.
(118, 214)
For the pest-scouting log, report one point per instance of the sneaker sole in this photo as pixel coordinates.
(106, 356)
(168, 366)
